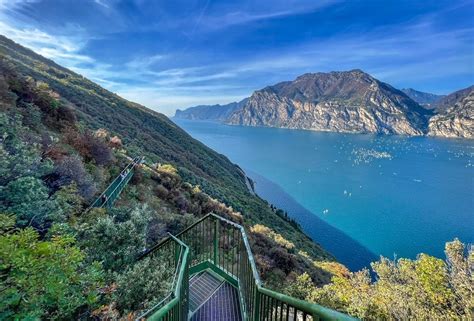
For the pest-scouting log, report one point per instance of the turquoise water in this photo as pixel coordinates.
(396, 196)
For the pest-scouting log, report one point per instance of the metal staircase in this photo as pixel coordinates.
(112, 192)
(224, 283)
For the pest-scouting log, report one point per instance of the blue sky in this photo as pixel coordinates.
(173, 53)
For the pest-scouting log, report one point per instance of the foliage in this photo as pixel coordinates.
(425, 288)
(28, 198)
(19, 151)
(71, 170)
(117, 239)
(142, 285)
(261, 229)
(43, 279)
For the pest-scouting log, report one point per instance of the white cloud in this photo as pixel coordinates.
(59, 48)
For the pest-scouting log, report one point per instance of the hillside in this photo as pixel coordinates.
(210, 112)
(456, 115)
(427, 100)
(64, 138)
(351, 101)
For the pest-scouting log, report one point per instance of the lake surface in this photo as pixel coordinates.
(393, 195)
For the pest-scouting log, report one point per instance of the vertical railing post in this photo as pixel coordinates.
(216, 242)
(256, 305)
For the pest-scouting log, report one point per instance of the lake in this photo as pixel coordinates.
(391, 195)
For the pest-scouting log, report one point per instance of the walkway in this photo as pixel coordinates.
(213, 299)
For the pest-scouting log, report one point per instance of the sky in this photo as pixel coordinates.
(169, 54)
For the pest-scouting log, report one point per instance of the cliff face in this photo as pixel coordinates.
(210, 112)
(350, 101)
(456, 115)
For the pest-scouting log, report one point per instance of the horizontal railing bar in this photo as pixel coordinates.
(312, 308)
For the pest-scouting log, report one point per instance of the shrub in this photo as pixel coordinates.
(99, 151)
(44, 279)
(264, 230)
(421, 289)
(116, 240)
(28, 198)
(71, 170)
(142, 285)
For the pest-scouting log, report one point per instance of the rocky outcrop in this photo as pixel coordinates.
(456, 116)
(210, 112)
(351, 101)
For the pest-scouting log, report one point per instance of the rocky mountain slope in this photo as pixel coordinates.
(142, 132)
(351, 101)
(210, 112)
(456, 115)
(427, 100)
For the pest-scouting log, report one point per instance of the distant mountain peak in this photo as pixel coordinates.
(427, 100)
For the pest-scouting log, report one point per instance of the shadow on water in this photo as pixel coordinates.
(347, 250)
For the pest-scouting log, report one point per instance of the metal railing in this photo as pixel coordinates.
(222, 245)
(112, 192)
(174, 254)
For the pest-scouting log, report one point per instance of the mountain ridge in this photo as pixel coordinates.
(425, 99)
(455, 118)
(216, 112)
(348, 101)
(342, 101)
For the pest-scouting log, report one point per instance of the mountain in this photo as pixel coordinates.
(210, 112)
(455, 116)
(427, 100)
(348, 101)
(65, 110)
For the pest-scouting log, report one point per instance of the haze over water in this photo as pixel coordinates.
(397, 196)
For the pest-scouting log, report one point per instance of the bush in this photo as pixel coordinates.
(71, 170)
(43, 279)
(421, 289)
(118, 239)
(142, 285)
(28, 198)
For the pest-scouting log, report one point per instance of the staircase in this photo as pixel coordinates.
(215, 278)
(112, 192)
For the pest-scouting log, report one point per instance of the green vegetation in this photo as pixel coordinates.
(421, 289)
(45, 279)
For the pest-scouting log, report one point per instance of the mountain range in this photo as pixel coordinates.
(347, 101)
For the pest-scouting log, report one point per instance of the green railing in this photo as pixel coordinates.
(112, 192)
(174, 254)
(221, 245)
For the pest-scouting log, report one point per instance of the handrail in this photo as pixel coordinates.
(232, 256)
(247, 246)
(177, 298)
(123, 177)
